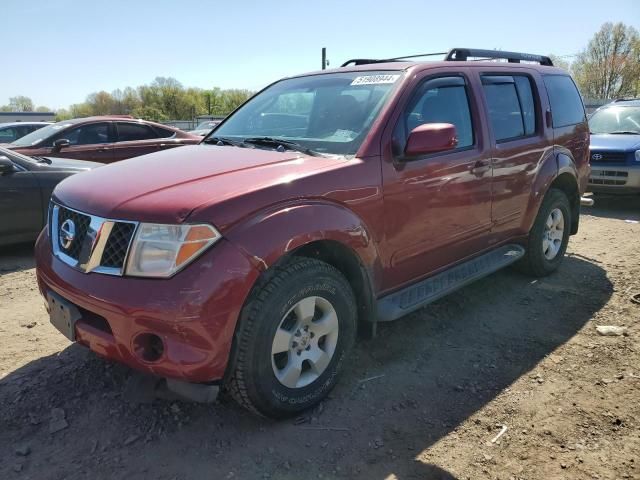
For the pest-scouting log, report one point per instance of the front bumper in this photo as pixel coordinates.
(612, 179)
(194, 313)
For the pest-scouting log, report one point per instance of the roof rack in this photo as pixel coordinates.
(365, 61)
(462, 55)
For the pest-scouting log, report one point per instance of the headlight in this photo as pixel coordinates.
(637, 155)
(162, 250)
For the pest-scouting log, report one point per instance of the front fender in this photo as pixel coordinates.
(269, 236)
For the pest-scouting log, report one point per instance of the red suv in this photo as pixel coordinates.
(101, 139)
(327, 202)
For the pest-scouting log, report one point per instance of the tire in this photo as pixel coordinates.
(541, 258)
(302, 317)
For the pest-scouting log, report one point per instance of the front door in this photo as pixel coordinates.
(91, 141)
(438, 206)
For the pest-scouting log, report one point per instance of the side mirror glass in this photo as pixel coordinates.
(60, 144)
(6, 165)
(431, 138)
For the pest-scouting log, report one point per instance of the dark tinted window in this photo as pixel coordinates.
(8, 135)
(88, 134)
(439, 100)
(511, 105)
(527, 103)
(128, 132)
(164, 133)
(566, 104)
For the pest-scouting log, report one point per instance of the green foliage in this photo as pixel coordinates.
(164, 99)
(610, 65)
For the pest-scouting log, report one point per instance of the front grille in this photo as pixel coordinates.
(81, 223)
(85, 246)
(117, 245)
(606, 181)
(608, 157)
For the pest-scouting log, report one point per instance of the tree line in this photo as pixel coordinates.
(608, 68)
(164, 99)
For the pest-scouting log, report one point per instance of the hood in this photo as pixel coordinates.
(70, 164)
(167, 186)
(616, 143)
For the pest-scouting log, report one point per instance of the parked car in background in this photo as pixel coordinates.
(615, 148)
(101, 139)
(10, 132)
(26, 184)
(204, 128)
(324, 204)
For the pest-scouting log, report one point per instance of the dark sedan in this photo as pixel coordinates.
(26, 184)
(102, 139)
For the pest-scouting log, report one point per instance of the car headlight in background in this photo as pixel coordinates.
(637, 155)
(162, 250)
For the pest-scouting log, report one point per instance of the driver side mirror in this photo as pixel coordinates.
(6, 165)
(60, 144)
(431, 138)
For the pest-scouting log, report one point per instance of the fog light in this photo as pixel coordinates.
(148, 347)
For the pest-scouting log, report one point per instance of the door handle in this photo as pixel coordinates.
(481, 167)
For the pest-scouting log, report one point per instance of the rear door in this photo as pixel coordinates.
(135, 139)
(21, 215)
(514, 115)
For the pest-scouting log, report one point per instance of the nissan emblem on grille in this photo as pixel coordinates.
(67, 233)
(596, 156)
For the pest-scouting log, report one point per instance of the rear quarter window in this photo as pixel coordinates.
(566, 103)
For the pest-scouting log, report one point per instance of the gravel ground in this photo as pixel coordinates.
(428, 398)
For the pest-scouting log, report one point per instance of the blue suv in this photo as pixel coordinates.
(615, 148)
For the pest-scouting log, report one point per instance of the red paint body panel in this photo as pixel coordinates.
(195, 312)
(404, 220)
(112, 151)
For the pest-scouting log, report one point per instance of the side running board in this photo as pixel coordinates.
(418, 295)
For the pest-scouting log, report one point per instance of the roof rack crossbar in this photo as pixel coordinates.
(463, 54)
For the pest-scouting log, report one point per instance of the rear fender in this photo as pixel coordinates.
(558, 162)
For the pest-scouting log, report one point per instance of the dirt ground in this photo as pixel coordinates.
(423, 400)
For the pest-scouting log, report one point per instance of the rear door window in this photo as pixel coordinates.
(128, 132)
(566, 103)
(511, 106)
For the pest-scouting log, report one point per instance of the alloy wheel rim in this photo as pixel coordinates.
(304, 342)
(553, 234)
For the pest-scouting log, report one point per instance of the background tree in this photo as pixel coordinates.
(610, 65)
(20, 103)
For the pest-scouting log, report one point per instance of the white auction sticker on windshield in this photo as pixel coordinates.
(375, 79)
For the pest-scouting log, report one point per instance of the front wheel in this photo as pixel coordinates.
(294, 335)
(549, 235)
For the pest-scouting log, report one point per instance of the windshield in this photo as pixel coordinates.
(39, 135)
(329, 113)
(618, 119)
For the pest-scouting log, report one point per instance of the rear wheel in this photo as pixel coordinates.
(294, 335)
(549, 235)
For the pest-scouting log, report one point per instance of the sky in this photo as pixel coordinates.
(59, 51)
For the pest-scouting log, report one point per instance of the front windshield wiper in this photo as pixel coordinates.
(625, 132)
(221, 141)
(284, 144)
